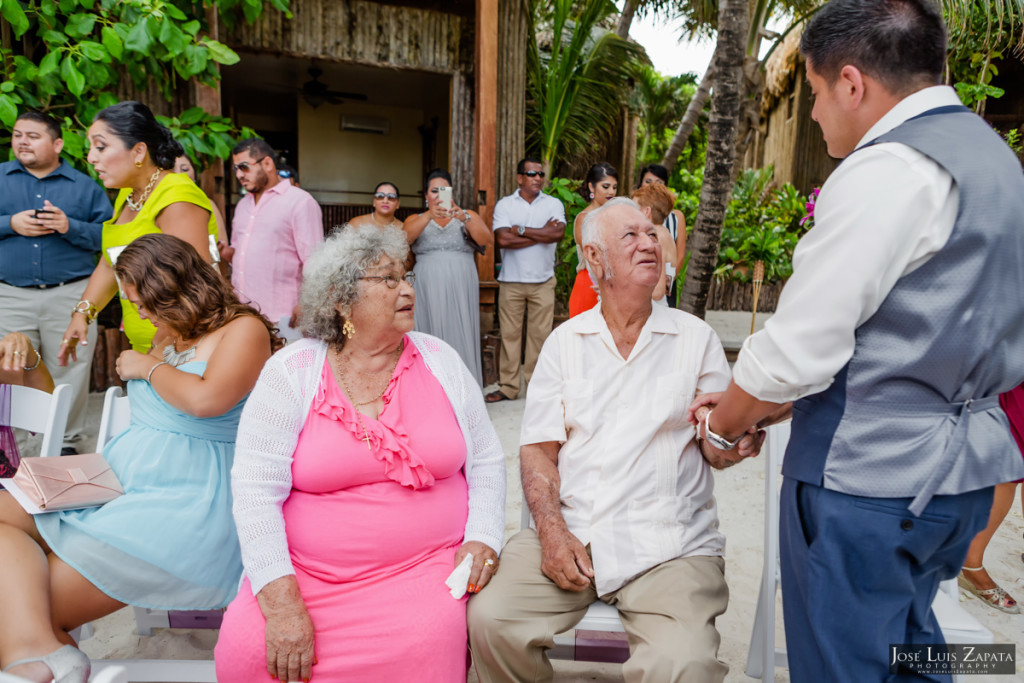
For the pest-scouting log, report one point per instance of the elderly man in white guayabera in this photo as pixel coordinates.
(620, 490)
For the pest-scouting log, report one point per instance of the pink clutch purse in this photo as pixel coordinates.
(68, 482)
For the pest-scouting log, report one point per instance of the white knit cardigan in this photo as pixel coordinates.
(261, 478)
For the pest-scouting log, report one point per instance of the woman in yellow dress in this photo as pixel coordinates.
(133, 153)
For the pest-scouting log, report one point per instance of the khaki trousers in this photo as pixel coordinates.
(668, 612)
(43, 315)
(537, 301)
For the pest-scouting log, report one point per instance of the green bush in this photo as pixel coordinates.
(564, 190)
(762, 223)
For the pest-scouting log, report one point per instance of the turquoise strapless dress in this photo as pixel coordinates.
(170, 541)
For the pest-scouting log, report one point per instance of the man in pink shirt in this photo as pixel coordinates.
(275, 228)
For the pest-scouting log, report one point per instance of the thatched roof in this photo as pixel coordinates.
(781, 69)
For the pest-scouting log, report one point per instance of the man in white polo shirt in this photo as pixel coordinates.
(528, 225)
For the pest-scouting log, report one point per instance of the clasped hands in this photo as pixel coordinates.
(748, 447)
(48, 220)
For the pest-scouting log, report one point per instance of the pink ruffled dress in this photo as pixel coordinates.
(372, 534)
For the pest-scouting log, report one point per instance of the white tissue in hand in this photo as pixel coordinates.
(458, 580)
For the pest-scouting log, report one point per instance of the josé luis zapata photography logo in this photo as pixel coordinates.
(953, 659)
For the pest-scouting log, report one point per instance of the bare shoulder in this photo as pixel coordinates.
(360, 220)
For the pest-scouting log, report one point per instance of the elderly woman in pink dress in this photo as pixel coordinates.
(366, 469)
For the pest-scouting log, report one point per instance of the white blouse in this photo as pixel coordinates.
(274, 414)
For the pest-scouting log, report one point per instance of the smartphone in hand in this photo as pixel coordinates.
(444, 198)
(42, 213)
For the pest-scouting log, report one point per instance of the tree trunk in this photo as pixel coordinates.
(690, 118)
(626, 19)
(721, 156)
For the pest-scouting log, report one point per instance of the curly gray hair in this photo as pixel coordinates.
(331, 276)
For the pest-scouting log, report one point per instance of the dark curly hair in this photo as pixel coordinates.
(182, 289)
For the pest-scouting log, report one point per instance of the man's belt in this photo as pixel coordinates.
(55, 284)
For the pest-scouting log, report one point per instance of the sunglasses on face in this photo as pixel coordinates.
(246, 165)
(434, 190)
(533, 174)
(385, 195)
(391, 279)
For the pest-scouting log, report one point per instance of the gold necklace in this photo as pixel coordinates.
(137, 206)
(351, 395)
(373, 218)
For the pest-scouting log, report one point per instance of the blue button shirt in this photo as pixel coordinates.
(49, 259)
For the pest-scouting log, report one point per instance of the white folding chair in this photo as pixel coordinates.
(600, 618)
(762, 657)
(115, 418)
(43, 413)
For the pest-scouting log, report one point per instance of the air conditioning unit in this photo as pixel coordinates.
(378, 125)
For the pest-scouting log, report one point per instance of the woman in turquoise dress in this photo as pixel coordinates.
(169, 542)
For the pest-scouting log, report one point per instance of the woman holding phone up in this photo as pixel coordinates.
(447, 286)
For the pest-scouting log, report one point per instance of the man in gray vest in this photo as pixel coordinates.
(901, 325)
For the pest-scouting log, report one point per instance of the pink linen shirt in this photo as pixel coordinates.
(287, 225)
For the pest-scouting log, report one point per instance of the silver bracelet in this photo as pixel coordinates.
(39, 359)
(150, 375)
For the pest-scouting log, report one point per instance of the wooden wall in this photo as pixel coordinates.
(361, 32)
(512, 36)
(791, 140)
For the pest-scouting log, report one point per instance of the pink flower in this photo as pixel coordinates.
(812, 199)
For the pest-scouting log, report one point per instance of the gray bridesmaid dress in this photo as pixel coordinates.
(448, 290)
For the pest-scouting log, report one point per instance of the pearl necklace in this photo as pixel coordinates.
(137, 206)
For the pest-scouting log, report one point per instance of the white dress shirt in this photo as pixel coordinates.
(535, 263)
(881, 214)
(634, 484)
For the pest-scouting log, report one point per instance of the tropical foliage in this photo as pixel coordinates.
(578, 78)
(659, 101)
(763, 223)
(566, 259)
(69, 58)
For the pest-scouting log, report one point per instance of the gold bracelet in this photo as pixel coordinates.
(86, 308)
(39, 359)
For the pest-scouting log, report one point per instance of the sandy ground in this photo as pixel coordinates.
(740, 493)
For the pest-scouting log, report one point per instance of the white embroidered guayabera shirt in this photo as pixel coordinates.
(634, 484)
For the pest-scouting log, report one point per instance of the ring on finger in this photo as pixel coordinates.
(489, 562)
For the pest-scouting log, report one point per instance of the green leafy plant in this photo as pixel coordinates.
(762, 223)
(566, 260)
(578, 77)
(70, 56)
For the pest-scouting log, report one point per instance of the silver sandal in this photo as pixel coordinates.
(996, 597)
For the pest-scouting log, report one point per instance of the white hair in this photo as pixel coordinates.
(593, 229)
(331, 275)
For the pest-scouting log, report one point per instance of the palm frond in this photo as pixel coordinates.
(961, 14)
(577, 87)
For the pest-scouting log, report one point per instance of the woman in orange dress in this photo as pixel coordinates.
(602, 184)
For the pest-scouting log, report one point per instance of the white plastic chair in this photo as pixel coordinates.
(957, 625)
(599, 617)
(115, 418)
(43, 413)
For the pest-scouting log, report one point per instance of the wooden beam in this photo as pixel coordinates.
(486, 124)
(209, 99)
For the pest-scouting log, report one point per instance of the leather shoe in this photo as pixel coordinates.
(69, 450)
(496, 396)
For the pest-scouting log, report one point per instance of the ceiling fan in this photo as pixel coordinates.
(315, 92)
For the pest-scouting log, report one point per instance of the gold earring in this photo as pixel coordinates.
(138, 164)
(348, 329)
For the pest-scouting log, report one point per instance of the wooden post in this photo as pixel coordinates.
(486, 124)
(209, 99)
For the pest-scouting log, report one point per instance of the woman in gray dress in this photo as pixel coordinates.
(447, 286)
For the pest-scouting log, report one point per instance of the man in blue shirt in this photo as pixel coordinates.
(51, 217)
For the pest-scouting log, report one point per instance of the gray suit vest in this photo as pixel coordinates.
(915, 412)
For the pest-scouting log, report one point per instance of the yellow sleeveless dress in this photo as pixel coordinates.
(173, 188)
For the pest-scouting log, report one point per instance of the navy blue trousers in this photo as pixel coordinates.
(860, 574)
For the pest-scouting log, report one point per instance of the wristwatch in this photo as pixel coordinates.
(521, 230)
(719, 442)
